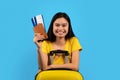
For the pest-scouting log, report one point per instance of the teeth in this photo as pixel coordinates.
(60, 32)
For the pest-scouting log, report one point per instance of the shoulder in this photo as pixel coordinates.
(46, 44)
(75, 44)
(74, 39)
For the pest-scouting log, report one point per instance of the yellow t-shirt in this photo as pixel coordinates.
(71, 45)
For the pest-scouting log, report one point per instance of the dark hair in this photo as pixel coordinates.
(51, 36)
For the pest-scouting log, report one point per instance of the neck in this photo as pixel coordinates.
(60, 41)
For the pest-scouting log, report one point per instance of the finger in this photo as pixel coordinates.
(37, 34)
(42, 37)
(36, 38)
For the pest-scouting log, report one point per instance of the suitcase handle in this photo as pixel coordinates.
(59, 52)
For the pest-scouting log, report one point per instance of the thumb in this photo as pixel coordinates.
(35, 41)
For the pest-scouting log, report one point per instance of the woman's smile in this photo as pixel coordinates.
(60, 32)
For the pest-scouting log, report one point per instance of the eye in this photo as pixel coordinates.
(57, 24)
(64, 25)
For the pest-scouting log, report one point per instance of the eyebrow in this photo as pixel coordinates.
(59, 23)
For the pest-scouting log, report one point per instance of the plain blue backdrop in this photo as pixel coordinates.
(95, 22)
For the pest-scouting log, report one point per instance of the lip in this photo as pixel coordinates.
(60, 33)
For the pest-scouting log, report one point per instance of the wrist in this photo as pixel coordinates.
(50, 67)
(39, 44)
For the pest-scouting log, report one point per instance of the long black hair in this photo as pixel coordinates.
(51, 36)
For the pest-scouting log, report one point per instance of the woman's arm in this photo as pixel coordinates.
(37, 37)
(44, 59)
(39, 60)
(73, 65)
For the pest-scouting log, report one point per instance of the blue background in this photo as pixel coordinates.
(95, 22)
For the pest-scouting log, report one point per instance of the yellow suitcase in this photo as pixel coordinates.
(59, 75)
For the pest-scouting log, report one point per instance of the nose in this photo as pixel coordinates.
(60, 27)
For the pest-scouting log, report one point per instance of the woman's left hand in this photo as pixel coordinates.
(50, 66)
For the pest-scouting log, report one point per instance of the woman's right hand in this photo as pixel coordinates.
(38, 38)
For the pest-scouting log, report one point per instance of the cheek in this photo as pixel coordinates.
(67, 29)
(66, 32)
(54, 30)
(54, 27)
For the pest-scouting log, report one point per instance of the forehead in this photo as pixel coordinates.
(61, 20)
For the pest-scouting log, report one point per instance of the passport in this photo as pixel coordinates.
(39, 25)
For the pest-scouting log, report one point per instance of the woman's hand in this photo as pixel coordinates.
(50, 67)
(38, 38)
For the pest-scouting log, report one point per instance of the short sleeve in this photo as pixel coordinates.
(75, 44)
(45, 47)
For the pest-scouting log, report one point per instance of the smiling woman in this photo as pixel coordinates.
(61, 40)
(60, 27)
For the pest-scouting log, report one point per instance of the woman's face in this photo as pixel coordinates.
(60, 27)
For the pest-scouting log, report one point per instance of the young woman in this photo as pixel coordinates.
(60, 37)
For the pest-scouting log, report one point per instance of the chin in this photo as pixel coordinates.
(61, 36)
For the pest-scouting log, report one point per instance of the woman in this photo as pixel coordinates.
(60, 37)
